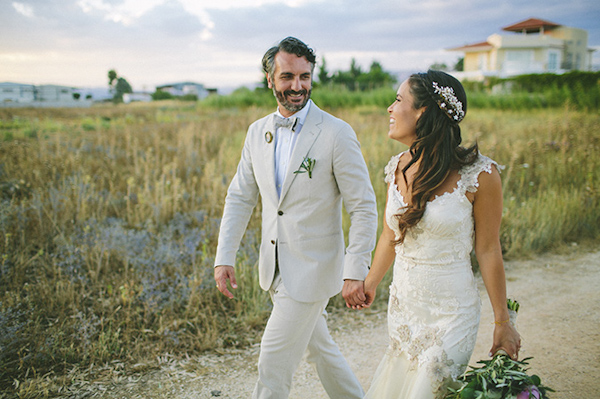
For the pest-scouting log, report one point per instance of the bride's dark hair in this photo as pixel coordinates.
(437, 145)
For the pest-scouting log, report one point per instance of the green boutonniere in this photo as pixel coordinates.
(308, 165)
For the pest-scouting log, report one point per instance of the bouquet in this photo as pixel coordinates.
(501, 377)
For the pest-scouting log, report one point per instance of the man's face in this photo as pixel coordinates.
(291, 82)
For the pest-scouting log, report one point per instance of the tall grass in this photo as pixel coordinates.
(109, 218)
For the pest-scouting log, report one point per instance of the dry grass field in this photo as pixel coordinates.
(109, 217)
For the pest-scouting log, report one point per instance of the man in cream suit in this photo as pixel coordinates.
(303, 163)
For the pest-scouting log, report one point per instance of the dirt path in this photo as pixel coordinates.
(559, 322)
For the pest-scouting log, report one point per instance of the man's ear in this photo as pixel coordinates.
(269, 82)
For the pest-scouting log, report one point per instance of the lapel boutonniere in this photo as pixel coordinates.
(307, 166)
(268, 137)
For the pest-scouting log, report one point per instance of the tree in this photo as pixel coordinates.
(112, 76)
(355, 70)
(460, 64)
(375, 78)
(355, 79)
(323, 74)
(118, 86)
(439, 66)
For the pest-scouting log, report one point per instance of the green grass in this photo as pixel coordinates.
(109, 218)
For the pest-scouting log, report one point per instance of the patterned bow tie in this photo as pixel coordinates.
(289, 123)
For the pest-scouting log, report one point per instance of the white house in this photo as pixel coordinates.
(136, 97)
(54, 93)
(185, 88)
(16, 93)
(534, 46)
(26, 95)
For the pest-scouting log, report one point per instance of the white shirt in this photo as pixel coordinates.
(285, 141)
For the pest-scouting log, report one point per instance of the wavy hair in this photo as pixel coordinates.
(289, 45)
(437, 145)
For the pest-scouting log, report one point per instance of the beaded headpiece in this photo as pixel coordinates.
(449, 103)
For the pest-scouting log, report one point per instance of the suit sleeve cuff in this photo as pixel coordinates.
(356, 267)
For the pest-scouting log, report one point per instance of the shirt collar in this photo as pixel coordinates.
(301, 115)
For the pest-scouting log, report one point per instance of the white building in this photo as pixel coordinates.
(136, 97)
(16, 93)
(185, 88)
(534, 46)
(26, 95)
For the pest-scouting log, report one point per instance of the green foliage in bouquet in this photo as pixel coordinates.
(512, 305)
(500, 378)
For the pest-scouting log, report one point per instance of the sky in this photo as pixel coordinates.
(220, 43)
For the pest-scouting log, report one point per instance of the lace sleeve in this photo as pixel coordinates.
(390, 169)
(469, 180)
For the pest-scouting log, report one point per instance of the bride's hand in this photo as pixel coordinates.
(506, 338)
(370, 292)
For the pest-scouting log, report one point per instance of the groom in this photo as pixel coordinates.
(303, 163)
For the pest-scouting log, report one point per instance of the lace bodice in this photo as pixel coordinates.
(445, 233)
(434, 304)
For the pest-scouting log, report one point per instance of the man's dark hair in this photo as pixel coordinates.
(289, 45)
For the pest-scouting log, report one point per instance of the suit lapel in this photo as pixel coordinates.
(269, 156)
(306, 138)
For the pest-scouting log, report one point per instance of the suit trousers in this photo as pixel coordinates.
(293, 329)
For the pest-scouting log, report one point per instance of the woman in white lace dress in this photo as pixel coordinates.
(443, 200)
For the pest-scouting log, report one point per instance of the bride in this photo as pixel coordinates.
(443, 200)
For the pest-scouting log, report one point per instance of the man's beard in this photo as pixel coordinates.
(281, 98)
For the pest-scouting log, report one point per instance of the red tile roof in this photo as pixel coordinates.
(467, 47)
(530, 25)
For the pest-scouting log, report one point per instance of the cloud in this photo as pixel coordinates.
(221, 42)
(23, 9)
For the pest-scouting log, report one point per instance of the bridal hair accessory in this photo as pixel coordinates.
(449, 103)
(288, 123)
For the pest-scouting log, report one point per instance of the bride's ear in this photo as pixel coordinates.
(421, 111)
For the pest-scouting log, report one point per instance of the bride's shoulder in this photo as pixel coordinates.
(470, 174)
(390, 169)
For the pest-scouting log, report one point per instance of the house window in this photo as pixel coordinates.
(7, 90)
(482, 62)
(553, 62)
(519, 56)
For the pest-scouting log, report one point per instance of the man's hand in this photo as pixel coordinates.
(354, 294)
(222, 274)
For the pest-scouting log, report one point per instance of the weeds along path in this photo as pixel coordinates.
(559, 322)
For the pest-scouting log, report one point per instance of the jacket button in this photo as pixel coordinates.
(273, 242)
(280, 213)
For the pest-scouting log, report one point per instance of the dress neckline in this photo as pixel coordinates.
(397, 190)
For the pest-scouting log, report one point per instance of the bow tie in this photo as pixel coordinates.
(288, 123)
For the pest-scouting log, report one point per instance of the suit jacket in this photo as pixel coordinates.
(304, 224)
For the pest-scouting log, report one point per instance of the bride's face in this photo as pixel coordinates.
(403, 117)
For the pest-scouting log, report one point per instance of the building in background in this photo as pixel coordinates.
(137, 97)
(26, 95)
(16, 93)
(534, 46)
(185, 89)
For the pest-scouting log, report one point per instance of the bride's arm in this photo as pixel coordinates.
(487, 211)
(382, 260)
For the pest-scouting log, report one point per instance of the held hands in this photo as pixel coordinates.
(222, 274)
(353, 293)
(357, 294)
